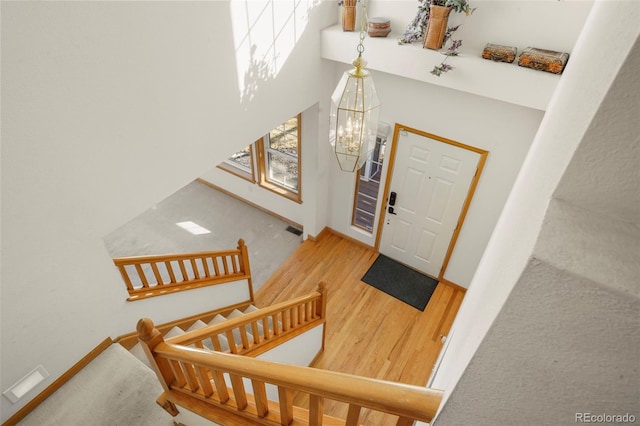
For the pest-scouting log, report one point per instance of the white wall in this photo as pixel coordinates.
(574, 117)
(107, 108)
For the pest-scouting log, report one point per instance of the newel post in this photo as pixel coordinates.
(150, 338)
(322, 302)
(321, 307)
(244, 266)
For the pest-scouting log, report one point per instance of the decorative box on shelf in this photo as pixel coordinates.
(379, 27)
(499, 53)
(543, 60)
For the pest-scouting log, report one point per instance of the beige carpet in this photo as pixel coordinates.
(115, 389)
(155, 230)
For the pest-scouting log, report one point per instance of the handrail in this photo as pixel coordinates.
(256, 332)
(212, 382)
(149, 276)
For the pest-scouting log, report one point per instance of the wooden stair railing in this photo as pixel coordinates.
(148, 276)
(196, 380)
(269, 327)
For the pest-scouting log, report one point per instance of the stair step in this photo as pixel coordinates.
(217, 319)
(175, 331)
(197, 325)
(251, 308)
(138, 352)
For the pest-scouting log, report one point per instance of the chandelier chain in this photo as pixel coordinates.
(363, 25)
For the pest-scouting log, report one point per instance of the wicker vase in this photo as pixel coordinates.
(349, 15)
(436, 27)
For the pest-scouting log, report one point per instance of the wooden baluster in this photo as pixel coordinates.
(286, 319)
(286, 405)
(301, 318)
(244, 337)
(172, 276)
(143, 277)
(260, 397)
(255, 330)
(194, 266)
(215, 340)
(183, 270)
(238, 391)
(221, 385)
(353, 415)
(156, 273)
(232, 342)
(181, 380)
(205, 383)
(234, 263)
(216, 268)
(225, 265)
(266, 330)
(277, 324)
(205, 265)
(190, 376)
(309, 311)
(316, 410)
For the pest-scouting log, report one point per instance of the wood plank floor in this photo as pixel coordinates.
(368, 332)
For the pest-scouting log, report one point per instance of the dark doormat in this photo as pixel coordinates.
(401, 282)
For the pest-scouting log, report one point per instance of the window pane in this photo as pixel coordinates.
(284, 138)
(242, 159)
(279, 159)
(283, 170)
(368, 188)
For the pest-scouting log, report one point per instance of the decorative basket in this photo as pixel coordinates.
(499, 53)
(543, 60)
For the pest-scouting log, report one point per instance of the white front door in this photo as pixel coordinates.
(431, 181)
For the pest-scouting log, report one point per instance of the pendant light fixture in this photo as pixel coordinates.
(354, 112)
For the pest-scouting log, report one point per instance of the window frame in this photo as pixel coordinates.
(263, 167)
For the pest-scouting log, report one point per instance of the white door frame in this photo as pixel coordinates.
(465, 207)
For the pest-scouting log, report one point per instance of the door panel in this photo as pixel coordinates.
(432, 180)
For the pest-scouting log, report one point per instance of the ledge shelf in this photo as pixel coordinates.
(472, 74)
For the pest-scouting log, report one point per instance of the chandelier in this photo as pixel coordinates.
(354, 113)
